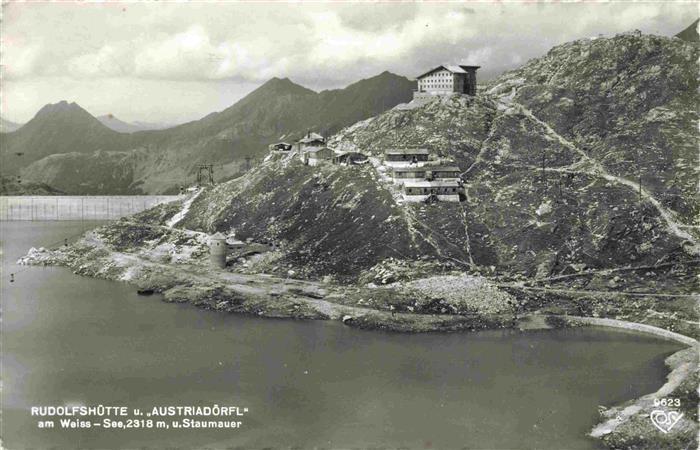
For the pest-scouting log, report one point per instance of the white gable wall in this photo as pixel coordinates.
(442, 81)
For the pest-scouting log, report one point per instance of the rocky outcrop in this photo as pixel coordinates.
(553, 154)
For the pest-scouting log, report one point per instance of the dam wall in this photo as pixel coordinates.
(77, 207)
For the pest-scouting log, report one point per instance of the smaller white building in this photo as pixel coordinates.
(427, 172)
(407, 174)
(280, 147)
(317, 155)
(311, 141)
(424, 190)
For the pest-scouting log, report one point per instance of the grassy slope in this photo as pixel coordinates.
(330, 220)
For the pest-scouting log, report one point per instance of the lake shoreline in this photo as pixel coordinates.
(629, 425)
(264, 295)
(194, 281)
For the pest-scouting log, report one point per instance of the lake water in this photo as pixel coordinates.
(74, 340)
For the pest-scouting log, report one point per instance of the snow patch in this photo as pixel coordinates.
(544, 208)
(183, 212)
(129, 274)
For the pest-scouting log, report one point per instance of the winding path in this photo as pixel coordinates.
(597, 169)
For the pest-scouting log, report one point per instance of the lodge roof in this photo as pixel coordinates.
(426, 168)
(407, 151)
(452, 68)
(347, 152)
(426, 184)
(410, 169)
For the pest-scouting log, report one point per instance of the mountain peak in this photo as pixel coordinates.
(277, 87)
(112, 122)
(387, 74)
(61, 107)
(690, 34)
(63, 116)
(380, 82)
(282, 84)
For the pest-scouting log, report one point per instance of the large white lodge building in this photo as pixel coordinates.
(444, 80)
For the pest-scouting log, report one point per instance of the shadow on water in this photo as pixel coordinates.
(75, 340)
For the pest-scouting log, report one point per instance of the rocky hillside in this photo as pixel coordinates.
(627, 105)
(598, 114)
(13, 186)
(329, 220)
(162, 160)
(99, 173)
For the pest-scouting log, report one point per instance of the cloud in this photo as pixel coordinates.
(320, 41)
(19, 60)
(255, 41)
(108, 61)
(320, 45)
(189, 54)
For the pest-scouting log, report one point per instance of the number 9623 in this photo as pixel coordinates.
(672, 402)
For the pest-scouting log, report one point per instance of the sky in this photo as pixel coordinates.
(177, 61)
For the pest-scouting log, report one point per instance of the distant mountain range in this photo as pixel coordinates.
(111, 121)
(108, 120)
(7, 126)
(69, 149)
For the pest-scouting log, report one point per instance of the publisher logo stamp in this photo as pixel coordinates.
(665, 421)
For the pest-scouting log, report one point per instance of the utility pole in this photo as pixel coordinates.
(544, 179)
(543, 165)
(639, 175)
(205, 173)
(559, 188)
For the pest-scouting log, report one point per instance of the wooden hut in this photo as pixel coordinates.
(350, 158)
